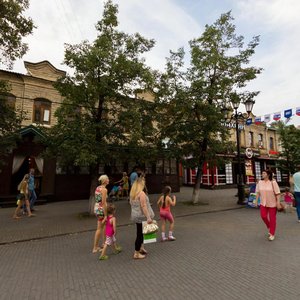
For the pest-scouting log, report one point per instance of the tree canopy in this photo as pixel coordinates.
(191, 97)
(289, 141)
(13, 27)
(102, 117)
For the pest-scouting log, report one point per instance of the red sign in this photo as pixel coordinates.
(272, 152)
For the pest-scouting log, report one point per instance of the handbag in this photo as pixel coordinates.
(280, 206)
(150, 228)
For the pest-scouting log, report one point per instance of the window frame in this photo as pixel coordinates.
(41, 105)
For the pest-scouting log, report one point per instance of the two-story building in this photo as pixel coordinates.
(34, 95)
(260, 150)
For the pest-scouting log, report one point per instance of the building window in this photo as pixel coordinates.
(271, 143)
(251, 139)
(260, 141)
(9, 99)
(42, 111)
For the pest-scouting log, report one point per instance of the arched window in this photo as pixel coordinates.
(42, 111)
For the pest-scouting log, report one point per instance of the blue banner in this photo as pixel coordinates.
(288, 113)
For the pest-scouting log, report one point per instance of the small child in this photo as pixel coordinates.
(288, 199)
(110, 232)
(164, 203)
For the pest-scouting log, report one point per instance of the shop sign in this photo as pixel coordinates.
(249, 152)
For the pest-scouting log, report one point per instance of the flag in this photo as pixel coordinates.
(249, 121)
(267, 118)
(257, 120)
(298, 111)
(288, 113)
(277, 116)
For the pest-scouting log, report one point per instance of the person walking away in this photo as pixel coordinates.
(100, 211)
(23, 197)
(268, 191)
(164, 203)
(110, 232)
(288, 200)
(133, 176)
(295, 180)
(140, 211)
(31, 189)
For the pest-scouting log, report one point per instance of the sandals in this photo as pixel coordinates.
(98, 249)
(138, 256)
(103, 257)
(143, 251)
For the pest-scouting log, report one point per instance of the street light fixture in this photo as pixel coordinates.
(238, 117)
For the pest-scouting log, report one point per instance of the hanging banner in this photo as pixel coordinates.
(277, 116)
(248, 121)
(298, 111)
(257, 120)
(288, 113)
(267, 118)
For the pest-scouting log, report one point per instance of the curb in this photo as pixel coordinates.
(121, 225)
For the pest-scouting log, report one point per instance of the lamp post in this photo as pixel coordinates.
(238, 117)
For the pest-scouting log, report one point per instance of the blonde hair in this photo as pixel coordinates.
(137, 187)
(25, 178)
(102, 178)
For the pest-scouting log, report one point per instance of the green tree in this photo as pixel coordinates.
(101, 116)
(10, 123)
(290, 141)
(192, 97)
(13, 27)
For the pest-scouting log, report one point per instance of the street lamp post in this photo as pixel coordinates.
(239, 117)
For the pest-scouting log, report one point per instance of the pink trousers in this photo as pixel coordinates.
(268, 215)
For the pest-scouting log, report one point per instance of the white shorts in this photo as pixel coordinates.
(110, 240)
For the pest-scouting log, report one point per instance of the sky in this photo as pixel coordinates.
(172, 23)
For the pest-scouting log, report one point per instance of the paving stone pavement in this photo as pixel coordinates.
(61, 218)
(224, 254)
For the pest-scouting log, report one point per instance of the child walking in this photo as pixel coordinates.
(164, 203)
(110, 232)
(288, 200)
(23, 196)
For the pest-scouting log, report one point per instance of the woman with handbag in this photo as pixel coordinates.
(268, 191)
(100, 211)
(140, 211)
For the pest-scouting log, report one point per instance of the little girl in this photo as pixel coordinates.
(288, 199)
(110, 232)
(164, 203)
(24, 195)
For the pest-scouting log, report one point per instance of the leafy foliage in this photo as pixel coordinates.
(101, 117)
(290, 141)
(13, 27)
(190, 100)
(10, 122)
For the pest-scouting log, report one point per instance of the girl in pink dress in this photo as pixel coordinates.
(110, 232)
(164, 203)
(288, 200)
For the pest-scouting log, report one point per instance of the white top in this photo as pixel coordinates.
(296, 178)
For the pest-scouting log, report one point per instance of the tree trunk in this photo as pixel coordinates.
(94, 184)
(196, 191)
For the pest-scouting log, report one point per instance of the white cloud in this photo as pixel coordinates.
(172, 26)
